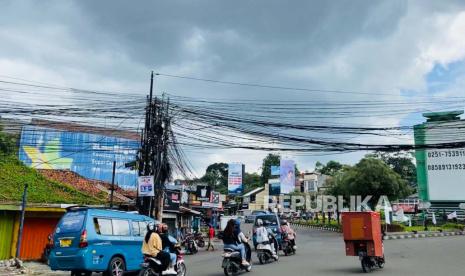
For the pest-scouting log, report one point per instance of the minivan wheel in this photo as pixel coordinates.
(116, 267)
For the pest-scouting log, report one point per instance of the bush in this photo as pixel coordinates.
(393, 227)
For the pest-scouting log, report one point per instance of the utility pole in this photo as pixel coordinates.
(153, 155)
(21, 222)
(112, 184)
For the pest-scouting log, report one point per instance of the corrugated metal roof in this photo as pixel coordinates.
(255, 191)
(73, 127)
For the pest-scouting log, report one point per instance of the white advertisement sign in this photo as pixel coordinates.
(446, 174)
(146, 186)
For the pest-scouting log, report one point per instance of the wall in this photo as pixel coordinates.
(7, 220)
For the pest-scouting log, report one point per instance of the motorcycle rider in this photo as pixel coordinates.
(152, 245)
(262, 236)
(233, 238)
(168, 244)
(291, 235)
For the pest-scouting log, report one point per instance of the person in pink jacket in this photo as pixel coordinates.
(291, 235)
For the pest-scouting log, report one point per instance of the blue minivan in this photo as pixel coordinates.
(100, 240)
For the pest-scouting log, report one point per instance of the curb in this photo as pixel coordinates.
(324, 228)
(387, 237)
(423, 235)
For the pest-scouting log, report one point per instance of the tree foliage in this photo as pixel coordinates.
(369, 177)
(7, 143)
(270, 160)
(402, 163)
(331, 168)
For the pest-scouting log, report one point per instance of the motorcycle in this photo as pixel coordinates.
(264, 252)
(199, 240)
(190, 244)
(232, 262)
(287, 246)
(370, 262)
(153, 267)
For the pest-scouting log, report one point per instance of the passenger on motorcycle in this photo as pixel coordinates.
(152, 246)
(263, 234)
(233, 238)
(168, 244)
(291, 235)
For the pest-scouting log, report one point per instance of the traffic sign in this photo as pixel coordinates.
(462, 205)
(424, 205)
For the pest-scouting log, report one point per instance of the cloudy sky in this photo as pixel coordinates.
(411, 49)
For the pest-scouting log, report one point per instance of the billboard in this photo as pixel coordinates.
(287, 176)
(203, 193)
(235, 178)
(90, 155)
(445, 168)
(275, 187)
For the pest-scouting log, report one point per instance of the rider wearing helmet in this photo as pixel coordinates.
(263, 235)
(152, 245)
(234, 239)
(291, 235)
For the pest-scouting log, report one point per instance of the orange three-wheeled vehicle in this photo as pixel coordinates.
(363, 238)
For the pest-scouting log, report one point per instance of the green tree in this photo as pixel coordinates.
(251, 181)
(270, 160)
(331, 168)
(369, 177)
(216, 176)
(402, 163)
(7, 143)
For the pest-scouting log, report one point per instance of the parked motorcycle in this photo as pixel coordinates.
(199, 240)
(152, 266)
(190, 244)
(232, 262)
(287, 246)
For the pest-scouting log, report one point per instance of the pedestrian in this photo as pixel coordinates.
(211, 235)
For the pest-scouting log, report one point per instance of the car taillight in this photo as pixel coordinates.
(83, 239)
(50, 241)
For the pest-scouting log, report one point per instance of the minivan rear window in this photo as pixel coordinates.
(71, 222)
(268, 220)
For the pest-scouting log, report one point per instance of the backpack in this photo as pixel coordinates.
(261, 235)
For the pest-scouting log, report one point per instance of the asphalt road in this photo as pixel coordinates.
(322, 253)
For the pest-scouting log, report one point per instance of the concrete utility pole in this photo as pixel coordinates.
(21, 222)
(112, 184)
(153, 156)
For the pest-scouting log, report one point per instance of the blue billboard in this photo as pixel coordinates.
(87, 154)
(235, 178)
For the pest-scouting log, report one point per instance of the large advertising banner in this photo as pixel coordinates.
(235, 178)
(445, 168)
(89, 155)
(287, 177)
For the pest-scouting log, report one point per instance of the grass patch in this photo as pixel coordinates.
(14, 175)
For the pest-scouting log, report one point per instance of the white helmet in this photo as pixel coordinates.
(152, 226)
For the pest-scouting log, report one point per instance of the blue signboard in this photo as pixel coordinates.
(235, 178)
(275, 170)
(89, 155)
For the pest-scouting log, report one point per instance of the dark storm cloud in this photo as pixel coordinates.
(248, 35)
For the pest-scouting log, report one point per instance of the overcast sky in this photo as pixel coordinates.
(409, 48)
